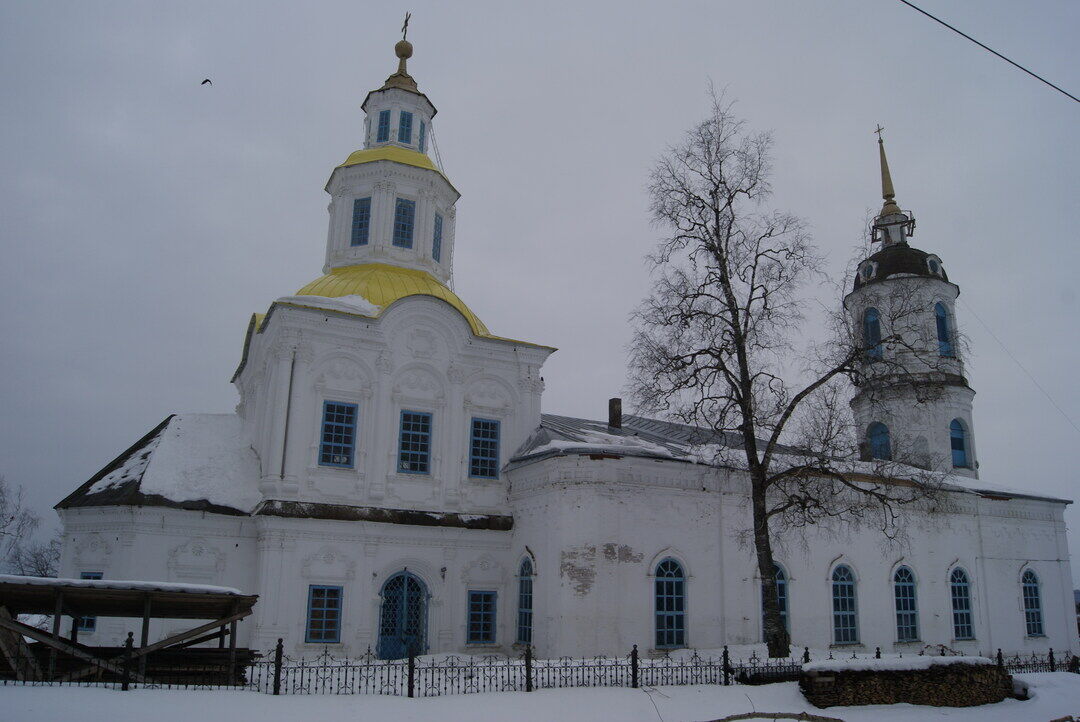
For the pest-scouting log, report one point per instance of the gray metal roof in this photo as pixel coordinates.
(638, 436)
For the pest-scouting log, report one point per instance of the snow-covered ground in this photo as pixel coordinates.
(1055, 695)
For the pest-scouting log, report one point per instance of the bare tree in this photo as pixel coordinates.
(18, 523)
(37, 559)
(715, 341)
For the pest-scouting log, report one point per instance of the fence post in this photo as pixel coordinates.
(727, 667)
(412, 670)
(528, 668)
(806, 655)
(633, 667)
(1052, 665)
(1000, 659)
(277, 666)
(125, 680)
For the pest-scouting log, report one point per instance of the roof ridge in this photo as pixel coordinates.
(115, 464)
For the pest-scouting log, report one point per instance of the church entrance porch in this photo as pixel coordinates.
(403, 617)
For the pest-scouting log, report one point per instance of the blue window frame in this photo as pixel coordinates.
(525, 602)
(845, 610)
(384, 127)
(481, 629)
(944, 337)
(781, 597)
(670, 594)
(958, 442)
(880, 446)
(1032, 604)
(404, 128)
(323, 614)
(484, 449)
(414, 443)
(404, 220)
(338, 434)
(421, 141)
(960, 591)
(87, 624)
(907, 610)
(436, 239)
(872, 333)
(361, 221)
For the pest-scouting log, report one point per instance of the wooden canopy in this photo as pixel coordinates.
(103, 600)
(111, 598)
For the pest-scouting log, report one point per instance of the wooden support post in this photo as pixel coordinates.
(17, 651)
(145, 639)
(161, 644)
(74, 636)
(66, 647)
(232, 652)
(221, 637)
(58, 610)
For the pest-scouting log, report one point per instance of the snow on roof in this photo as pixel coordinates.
(131, 469)
(894, 664)
(190, 458)
(665, 440)
(354, 304)
(138, 585)
(204, 456)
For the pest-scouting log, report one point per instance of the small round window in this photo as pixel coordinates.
(935, 267)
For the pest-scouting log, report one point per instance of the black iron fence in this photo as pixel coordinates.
(435, 675)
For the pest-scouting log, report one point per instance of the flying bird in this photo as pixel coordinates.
(206, 82)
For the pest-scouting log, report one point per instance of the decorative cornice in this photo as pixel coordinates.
(342, 512)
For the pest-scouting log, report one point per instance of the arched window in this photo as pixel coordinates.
(781, 598)
(525, 602)
(907, 612)
(958, 441)
(944, 335)
(872, 333)
(1032, 604)
(670, 605)
(878, 435)
(845, 614)
(960, 589)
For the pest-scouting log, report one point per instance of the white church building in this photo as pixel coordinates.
(389, 481)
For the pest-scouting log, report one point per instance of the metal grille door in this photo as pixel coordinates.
(403, 617)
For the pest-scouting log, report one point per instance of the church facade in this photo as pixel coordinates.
(388, 481)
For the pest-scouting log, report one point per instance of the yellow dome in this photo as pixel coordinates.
(382, 284)
(396, 153)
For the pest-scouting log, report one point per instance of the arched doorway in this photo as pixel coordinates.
(403, 616)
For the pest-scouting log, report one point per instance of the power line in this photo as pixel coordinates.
(1017, 362)
(984, 47)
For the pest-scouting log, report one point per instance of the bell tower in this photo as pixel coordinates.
(913, 404)
(391, 204)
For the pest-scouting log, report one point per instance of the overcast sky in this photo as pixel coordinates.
(144, 217)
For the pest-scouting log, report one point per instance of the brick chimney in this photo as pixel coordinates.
(614, 413)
